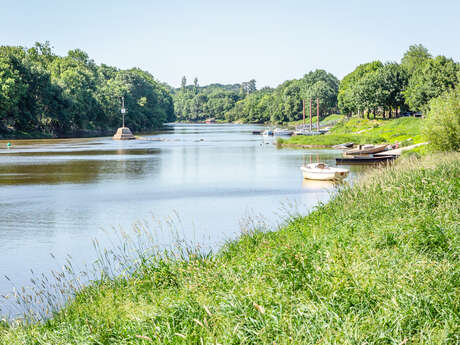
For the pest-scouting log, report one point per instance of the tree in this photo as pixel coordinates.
(442, 127)
(252, 86)
(348, 99)
(433, 78)
(54, 95)
(183, 83)
(415, 57)
(392, 80)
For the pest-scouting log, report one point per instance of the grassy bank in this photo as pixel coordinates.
(327, 121)
(405, 130)
(378, 264)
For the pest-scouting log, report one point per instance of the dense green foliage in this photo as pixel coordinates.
(442, 127)
(389, 88)
(243, 103)
(415, 57)
(377, 265)
(195, 103)
(431, 79)
(45, 94)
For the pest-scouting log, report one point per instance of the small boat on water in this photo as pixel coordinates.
(282, 132)
(366, 150)
(323, 172)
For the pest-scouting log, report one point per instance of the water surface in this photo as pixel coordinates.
(57, 195)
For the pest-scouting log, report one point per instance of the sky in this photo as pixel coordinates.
(233, 41)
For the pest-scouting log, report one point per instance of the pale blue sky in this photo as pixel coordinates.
(234, 41)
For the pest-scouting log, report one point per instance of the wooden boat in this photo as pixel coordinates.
(364, 159)
(323, 172)
(343, 146)
(366, 150)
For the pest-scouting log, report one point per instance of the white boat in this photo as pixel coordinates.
(305, 132)
(267, 132)
(282, 132)
(323, 172)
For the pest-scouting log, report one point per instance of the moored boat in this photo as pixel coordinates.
(267, 132)
(366, 150)
(323, 172)
(364, 159)
(343, 146)
(306, 132)
(282, 132)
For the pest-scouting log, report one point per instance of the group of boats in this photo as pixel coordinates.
(360, 154)
(363, 154)
(300, 130)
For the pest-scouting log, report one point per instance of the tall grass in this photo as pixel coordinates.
(378, 264)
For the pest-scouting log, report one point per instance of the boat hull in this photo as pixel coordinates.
(364, 160)
(366, 151)
(340, 174)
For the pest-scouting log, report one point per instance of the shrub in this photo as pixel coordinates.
(443, 123)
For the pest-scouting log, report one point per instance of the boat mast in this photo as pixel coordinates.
(303, 112)
(317, 114)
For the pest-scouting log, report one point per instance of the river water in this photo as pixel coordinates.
(56, 196)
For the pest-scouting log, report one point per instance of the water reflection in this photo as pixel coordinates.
(77, 171)
(316, 185)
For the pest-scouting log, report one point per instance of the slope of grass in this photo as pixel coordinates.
(405, 130)
(378, 264)
(328, 120)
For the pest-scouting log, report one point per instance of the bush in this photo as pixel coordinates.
(443, 123)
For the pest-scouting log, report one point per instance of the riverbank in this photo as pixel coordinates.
(377, 264)
(404, 130)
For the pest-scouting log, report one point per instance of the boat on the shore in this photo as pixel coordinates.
(366, 149)
(279, 132)
(306, 132)
(323, 172)
(365, 159)
(343, 146)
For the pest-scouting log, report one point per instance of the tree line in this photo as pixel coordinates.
(45, 94)
(386, 89)
(244, 103)
(374, 88)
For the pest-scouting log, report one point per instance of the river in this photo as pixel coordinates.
(56, 196)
